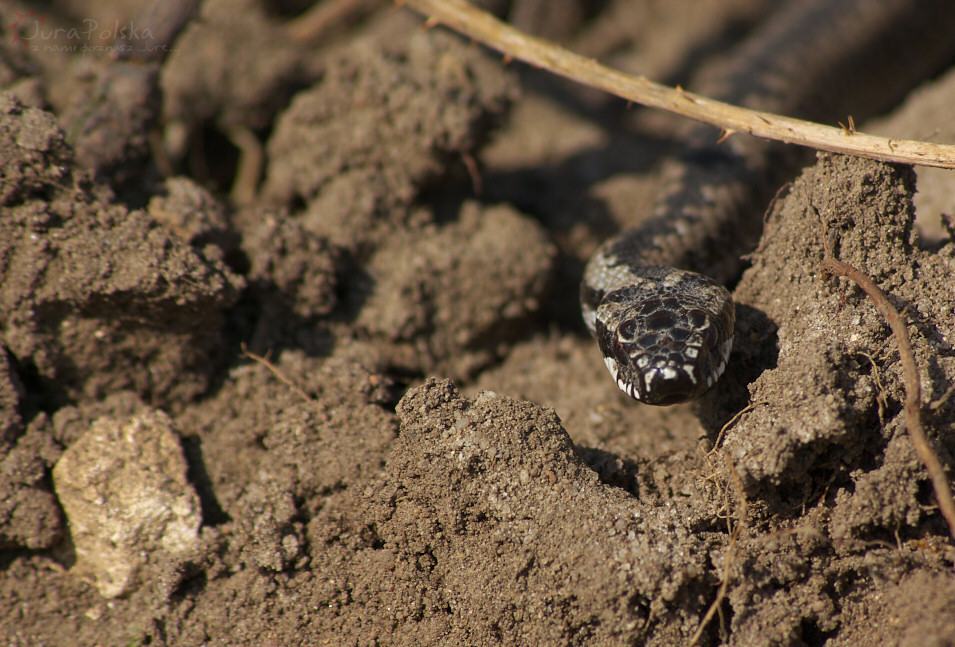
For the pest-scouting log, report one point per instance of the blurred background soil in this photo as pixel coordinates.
(292, 352)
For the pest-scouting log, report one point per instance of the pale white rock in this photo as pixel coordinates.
(128, 503)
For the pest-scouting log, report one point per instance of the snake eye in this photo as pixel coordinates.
(626, 331)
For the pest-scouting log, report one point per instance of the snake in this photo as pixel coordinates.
(653, 296)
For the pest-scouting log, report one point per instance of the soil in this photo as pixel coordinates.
(293, 355)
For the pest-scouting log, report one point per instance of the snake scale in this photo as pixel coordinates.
(652, 295)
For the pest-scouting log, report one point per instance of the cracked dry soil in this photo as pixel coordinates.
(432, 452)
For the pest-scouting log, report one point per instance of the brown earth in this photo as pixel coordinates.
(423, 216)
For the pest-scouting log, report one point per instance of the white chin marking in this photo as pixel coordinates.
(727, 347)
(628, 389)
(688, 369)
(611, 366)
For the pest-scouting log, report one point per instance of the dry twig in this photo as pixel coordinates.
(276, 372)
(318, 21)
(514, 44)
(913, 387)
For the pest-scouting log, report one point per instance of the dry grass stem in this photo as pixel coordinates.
(277, 373)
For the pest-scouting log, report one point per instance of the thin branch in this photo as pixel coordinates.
(514, 44)
(913, 387)
(276, 372)
(317, 22)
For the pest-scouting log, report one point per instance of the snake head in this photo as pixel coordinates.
(666, 339)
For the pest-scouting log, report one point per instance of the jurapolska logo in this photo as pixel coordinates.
(23, 20)
(31, 30)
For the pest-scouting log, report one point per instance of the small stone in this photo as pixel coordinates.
(123, 488)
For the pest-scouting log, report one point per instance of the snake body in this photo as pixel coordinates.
(664, 327)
